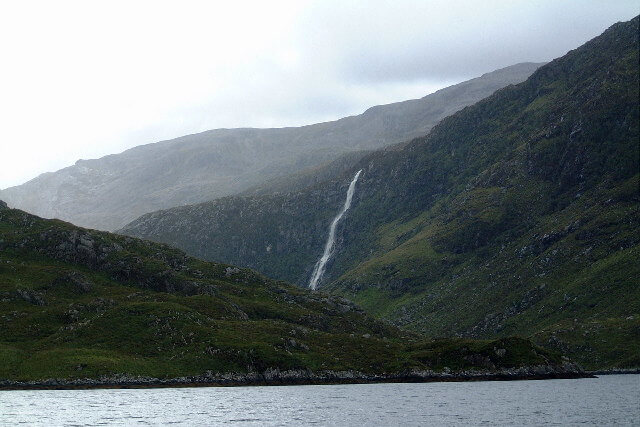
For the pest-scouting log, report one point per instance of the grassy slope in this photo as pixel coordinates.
(570, 282)
(538, 234)
(78, 303)
(518, 214)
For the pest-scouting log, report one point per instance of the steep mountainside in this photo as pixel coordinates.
(518, 214)
(83, 305)
(308, 177)
(109, 192)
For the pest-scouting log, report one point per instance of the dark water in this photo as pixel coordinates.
(608, 400)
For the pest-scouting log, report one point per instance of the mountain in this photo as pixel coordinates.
(308, 177)
(109, 192)
(517, 215)
(81, 307)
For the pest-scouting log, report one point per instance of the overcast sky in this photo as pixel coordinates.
(82, 79)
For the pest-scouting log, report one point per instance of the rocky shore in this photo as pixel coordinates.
(302, 377)
(616, 371)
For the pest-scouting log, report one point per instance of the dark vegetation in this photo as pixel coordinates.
(517, 215)
(77, 303)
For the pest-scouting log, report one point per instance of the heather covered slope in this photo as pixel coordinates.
(518, 214)
(537, 229)
(78, 304)
(109, 192)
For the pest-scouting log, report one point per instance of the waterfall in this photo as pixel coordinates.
(318, 270)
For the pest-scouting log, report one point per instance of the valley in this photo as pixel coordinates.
(517, 215)
(487, 231)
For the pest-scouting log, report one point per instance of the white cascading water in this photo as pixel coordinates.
(318, 270)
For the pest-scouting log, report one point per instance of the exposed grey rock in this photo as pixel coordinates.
(31, 296)
(77, 280)
(275, 376)
(230, 271)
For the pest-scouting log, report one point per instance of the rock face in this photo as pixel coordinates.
(517, 215)
(277, 234)
(3, 205)
(299, 377)
(109, 192)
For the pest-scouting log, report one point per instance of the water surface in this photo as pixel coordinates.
(608, 400)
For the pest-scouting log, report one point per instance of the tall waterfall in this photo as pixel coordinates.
(318, 270)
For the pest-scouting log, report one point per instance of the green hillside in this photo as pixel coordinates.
(517, 215)
(524, 215)
(77, 303)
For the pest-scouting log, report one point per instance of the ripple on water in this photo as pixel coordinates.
(606, 400)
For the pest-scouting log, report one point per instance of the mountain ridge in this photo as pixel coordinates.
(109, 192)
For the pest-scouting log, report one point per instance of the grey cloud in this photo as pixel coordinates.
(442, 44)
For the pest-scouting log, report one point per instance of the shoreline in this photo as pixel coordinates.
(615, 371)
(292, 378)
